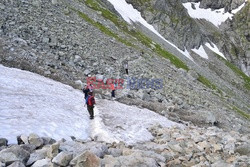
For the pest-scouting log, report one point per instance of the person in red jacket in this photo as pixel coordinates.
(113, 90)
(90, 101)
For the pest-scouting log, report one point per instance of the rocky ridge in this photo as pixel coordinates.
(190, 146)
(170, 17)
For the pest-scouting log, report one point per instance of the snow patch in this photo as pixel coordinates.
(119, 122)
(30, 103)
(201, 52)
(129, 14)
(215, 49)
(214, 16)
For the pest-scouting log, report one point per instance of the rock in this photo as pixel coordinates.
(63, 159)
(79, 84)
(243, 150)
(2, 164)
(42, 163)
(3, 142)
(48, 141)
(37, 155)
(24, 139)
(36, 3)
(53, 150)
(19, 140)
(86, 159)
(99, 77)
(14, 153)
(28, 147)
(54, 2)
(35, 140)
(86, 72)
(17, 164)
(45, 40)
(115, 152)
(221, 164)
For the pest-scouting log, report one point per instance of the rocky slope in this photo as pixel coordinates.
(69, 40)
(170, 17)
(191, 146)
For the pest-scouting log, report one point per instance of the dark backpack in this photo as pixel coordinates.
(90, 100)
(86, 100)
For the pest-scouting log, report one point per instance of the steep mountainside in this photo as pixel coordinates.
(69, 40)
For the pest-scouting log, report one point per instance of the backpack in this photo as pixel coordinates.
(86, 100)
(90, 100)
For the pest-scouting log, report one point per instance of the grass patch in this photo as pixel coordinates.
(206, 82)
(173, 59)
(237, 71)
(242, 113)
(240, 73)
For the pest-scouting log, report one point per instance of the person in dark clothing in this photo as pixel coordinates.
(86, 91)
(113, 90)
(90, 101)
(126, 67)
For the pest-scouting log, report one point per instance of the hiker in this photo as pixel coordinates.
(112, 90)
(86, 91)
(90, 101)
(126, 67)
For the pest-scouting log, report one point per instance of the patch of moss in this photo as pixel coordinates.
(242, 113)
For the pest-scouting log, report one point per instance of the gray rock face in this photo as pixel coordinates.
(14, 153)
(63, 159)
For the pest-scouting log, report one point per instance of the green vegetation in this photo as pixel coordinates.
(241, 112)
(240, 73)
(206, 82)
(237, 71)
(173, 59)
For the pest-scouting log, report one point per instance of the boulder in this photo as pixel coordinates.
(48, 141)
(42, 163)
(2, 164)
(79, 84)
(3, 142)
(86, 159)
(37, 155)
(14, 153)
(17, 164)
(35, 140)
(63, 159)
(53, 150)
(243, 150)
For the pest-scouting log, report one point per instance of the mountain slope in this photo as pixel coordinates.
(69, 40)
